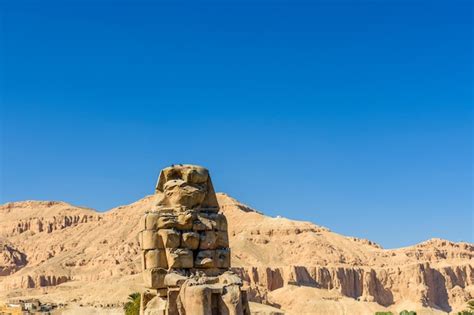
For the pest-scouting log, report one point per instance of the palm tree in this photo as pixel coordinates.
(132, 307)
(470, 305)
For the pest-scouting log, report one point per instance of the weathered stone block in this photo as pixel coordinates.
(208, 240)
(221, 222)
(229, 277)
(146, 297)
(156, 306)
(142, 259)
(149, 239)
(210, 222)
(166, 222)
(203, 223)
(151, 220)
(190, 240)
(222, 259)
(210, 272)
(185, 252)
(200, 226)
(174, 279)
(179, 258)
(232, 301)
(171, 238)
(185, 220)
(222, 239)
(155, 258)
(205, 259)
(154, 278)
(172, 302)
(202, 300)
(162, 292)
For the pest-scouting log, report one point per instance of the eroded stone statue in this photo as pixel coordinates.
(185, 250)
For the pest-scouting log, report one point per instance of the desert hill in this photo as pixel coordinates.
(60, 252)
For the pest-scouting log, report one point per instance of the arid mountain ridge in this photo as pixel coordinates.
(54, 250)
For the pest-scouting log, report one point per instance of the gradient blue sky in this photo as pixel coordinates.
(353, 115)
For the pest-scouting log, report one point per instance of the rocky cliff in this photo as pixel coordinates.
(57, 251)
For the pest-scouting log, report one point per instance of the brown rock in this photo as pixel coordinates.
(222, 258)
(208, 240)
(185, 220)
(149, 239)
(205, 259)
(166, 222)
(190, 240)
(179, 258)
(155, 258)
(99, 250)
(154, 278)
(171, 238)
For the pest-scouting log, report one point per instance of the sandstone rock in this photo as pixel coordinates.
(166, 222)
(155, 258)
(188, 204)
(171, 238)
(222, 239)
(174, 279)
(222, 258)
(190, 240)
(154, 278)
(155, 306)
(151, 220)
(205, 259)
(185, 220)
(179, 258)
(100, 253)
(196, 187)
(149, 239)
(208, 240)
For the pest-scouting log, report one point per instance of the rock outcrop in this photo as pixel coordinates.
(274, 256)
(11, 259)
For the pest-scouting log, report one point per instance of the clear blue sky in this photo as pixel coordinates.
(353, 115)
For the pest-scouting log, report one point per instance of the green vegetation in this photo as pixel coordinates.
(132, 307)
(470, 305)
(470, 309)
(383, 313)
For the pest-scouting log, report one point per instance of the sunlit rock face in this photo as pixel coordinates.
(185, 249)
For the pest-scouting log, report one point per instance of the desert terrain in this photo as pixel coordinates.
(62, 253)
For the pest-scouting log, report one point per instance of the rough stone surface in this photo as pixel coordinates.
(187, 223)
(154, 278)
(190, 240)
(63, 253)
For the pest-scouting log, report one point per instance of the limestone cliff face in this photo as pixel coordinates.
(431, 287)
(59, 216)
(11, 259)
(46, 245)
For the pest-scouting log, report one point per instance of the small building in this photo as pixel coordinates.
(31, 305)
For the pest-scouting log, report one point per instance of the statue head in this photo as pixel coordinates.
(187, 186)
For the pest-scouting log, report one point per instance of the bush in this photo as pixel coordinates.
(465, 313)
(383, 313)
(405, 312)
(132, 307)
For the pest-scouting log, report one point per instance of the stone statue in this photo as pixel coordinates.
(185, 250)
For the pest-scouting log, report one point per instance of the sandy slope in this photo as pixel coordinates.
(65, 253)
